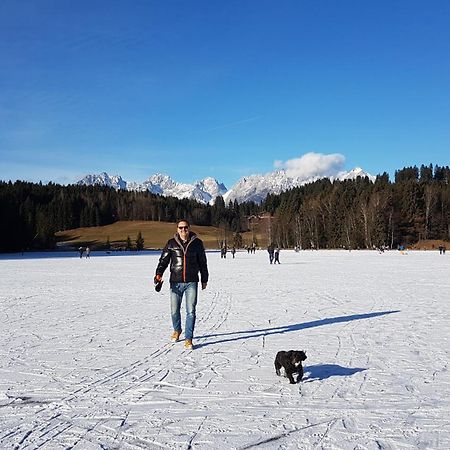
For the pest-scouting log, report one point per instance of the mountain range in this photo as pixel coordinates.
(250, 188)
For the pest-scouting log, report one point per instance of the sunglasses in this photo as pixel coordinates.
(183, 228)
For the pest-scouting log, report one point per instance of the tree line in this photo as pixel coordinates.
(340, 214)
(31, 213)
(361, 214)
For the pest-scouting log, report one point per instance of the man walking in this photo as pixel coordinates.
(276, 255)
(271, 250)
(186, 254)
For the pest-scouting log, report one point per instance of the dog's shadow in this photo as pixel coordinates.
(323, 371)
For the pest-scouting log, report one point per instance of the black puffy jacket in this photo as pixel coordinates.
(186, 260)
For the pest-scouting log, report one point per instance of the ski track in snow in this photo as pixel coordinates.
(86, 362)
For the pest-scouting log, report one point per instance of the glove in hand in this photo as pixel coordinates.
(158, 281)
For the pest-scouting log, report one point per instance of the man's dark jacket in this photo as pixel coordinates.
(186, 260)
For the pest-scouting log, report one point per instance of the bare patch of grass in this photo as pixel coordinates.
(155, 235)
(429, 244)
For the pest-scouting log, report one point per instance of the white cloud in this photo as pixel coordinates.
(311, 165)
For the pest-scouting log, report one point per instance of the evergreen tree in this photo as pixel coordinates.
(139, 242)
(237, 240)
(128, 245)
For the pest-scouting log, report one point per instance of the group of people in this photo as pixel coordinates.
(224, 250)
(251, 248)
(442, 249)
(274, 254)
(82, 250)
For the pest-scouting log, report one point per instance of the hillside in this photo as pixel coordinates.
(155, 235)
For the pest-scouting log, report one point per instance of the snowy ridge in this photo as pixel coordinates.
(353, 174)
(103, 179)
(256, 187)
(204, 191)
(253, 188)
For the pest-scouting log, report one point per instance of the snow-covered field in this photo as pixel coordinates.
(85, 361)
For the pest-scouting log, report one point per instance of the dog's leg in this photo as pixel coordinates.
(291, 378)
(300, 374)
(277, 368)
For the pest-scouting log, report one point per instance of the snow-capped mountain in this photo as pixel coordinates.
(250, 188)
(256, 187)
(353, 174)
(204, 191)
(103, 179)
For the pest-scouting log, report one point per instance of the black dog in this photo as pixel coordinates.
(292, 363)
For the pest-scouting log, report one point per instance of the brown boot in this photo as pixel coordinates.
(175, 336)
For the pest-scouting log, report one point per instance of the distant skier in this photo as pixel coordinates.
(233, 251)
(88, 252)
(81, 251)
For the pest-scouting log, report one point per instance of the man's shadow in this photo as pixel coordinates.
(248, 334)
(324, 371)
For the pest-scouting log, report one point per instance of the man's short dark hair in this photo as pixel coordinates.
(184, 220)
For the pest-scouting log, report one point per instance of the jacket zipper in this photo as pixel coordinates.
(184, 256)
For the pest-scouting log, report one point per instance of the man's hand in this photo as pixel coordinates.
(158, 282)
(204, 286)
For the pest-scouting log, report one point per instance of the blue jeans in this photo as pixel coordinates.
(176, 295)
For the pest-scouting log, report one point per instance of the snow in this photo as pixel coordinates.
(86, 362)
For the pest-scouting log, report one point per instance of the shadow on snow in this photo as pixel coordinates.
(247, 334)
(324, 371)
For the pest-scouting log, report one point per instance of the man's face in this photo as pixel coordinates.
(183, 230)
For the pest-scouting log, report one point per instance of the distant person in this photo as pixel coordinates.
(223, 251)
(276, 255)
(186, 255)
(441, 249)
(271, 250)
(88, 252)
(254, 247)
(444, 248)
(233, 251)
(81, 251)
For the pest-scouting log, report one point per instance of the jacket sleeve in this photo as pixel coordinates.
(164, 260)
(202, 264)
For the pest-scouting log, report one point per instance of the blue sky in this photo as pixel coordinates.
(220, 88)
